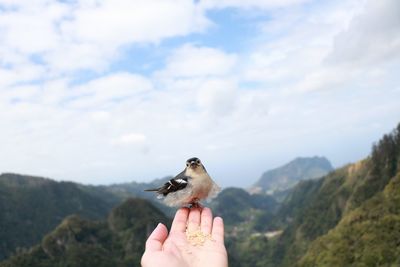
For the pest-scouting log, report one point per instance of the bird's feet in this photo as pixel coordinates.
(196, 205)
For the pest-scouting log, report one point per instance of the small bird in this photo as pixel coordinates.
(189, 187)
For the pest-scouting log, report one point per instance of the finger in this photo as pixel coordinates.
(180, 221)
(194, 219)
(157, 238)
(206, 221)
(218, 230)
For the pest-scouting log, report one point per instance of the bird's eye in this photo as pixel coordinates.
(198, 161)
(187, 164)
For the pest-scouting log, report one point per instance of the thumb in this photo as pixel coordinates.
(157, 238)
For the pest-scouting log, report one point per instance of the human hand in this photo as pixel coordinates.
(174, 250)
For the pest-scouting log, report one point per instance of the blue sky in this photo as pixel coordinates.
(112, 91)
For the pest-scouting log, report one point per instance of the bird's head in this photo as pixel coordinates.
(195, 165)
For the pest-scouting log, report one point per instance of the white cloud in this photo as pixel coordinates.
(357, 49)
(267, 4)
(118, 22)
(190, 61)
(88, 35)
(300, 43)
(19, 93)
(72, 57)
(372, 37)
(109, 89)
(217, 97)
(129, 139)
(100, 116)
(32, 31)
(325, 79)
(21, 3)
(335, 46)
(22, 73)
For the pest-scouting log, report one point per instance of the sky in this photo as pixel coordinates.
(111, 91)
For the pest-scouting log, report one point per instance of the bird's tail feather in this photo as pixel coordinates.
(151, 190)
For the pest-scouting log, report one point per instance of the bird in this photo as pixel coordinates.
(188, 187)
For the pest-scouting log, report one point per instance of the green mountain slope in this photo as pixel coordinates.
(367, 236)
(31, 206)
(76, 242)
(369, 233)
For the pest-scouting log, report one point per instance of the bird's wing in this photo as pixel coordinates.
(177, 183)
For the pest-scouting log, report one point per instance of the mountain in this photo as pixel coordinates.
(76, 242)
(125, 190)
(285, 177)
(367, 236)
(368, 233)
(31, 206)
(350, 217)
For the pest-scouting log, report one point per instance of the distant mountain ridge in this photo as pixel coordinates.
(132, 189)
(14, 179)
(288, 175)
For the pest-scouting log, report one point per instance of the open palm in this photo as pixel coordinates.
(174, 250)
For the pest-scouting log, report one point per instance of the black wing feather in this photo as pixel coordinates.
(173, 185)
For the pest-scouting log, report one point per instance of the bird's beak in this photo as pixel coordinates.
(193, 164)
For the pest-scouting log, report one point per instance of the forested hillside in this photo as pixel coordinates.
(77, 242)
(369, 233)
(30, 207)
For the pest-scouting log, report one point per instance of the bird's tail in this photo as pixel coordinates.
(151, 190)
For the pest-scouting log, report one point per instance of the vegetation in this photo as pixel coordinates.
(30, 207)
(370, 234)
(76, 242)
(367, 236)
